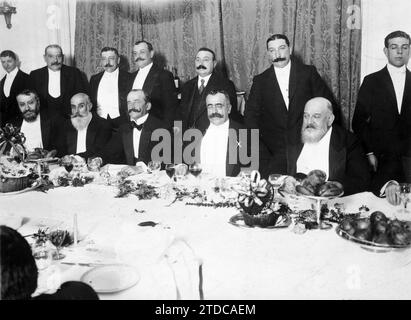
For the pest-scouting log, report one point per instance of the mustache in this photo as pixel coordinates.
(108, 65)
(55, 63)
(29, 111)
(77, 115)
(134, 110)
(201, 67)
(279, 59)
(139, 59)
(216, 115)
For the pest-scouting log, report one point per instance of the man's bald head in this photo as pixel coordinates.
(318, 118)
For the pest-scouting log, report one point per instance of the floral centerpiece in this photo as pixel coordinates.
(255, 202)
(12, 139)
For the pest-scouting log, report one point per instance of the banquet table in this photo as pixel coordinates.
(237, 263)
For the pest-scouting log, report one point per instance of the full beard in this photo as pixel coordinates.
(30, 116)
(314, 135)
(81, 122)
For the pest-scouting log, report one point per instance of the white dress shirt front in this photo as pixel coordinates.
(141, 76)
(81, 140)
(54, 83)
(9, 81)
(107, 95)
(32, 132)
(137, 134)
(315, 155)
(283, 79)
(213, 153)
(398, 80)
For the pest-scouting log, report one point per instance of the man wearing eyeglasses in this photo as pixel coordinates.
(56, 83)
(193, 111)
(221, 138)
(109, 88)
(133, 141)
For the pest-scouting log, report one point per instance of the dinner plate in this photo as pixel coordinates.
(369, 245)
(238, 221)
(111, 278)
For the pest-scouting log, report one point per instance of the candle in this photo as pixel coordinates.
(75, 230)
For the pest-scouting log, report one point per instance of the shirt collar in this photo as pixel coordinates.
(141, 120)
(392, 69)
(52, 72)
(13, 73)
(111, 74)
(146, 68)
(221, 127)
(204, 78)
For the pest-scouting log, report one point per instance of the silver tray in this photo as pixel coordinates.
(369, 245)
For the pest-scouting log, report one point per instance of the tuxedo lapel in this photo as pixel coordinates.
(91, 134)
(144, 143)
(128, 145)
(46, 81)
(406, 100)
(386, 78)
(71, 139)
(275, 92)
(292, 84)
(192, 88)
(337, 155)
(45, 127)
(294, 152)
(63, 81)
(150, 80)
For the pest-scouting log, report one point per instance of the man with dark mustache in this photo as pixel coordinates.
(12, 83)
(193, 110)
(56, 83)
(86, 133)
(155, 81)
(132, 143)
(276, 103)
(108, 89)
(328, 147)
(39, 130)
(217, 143)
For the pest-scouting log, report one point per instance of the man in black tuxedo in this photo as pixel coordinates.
(56, 83)
(108, 89)
(276, 103)
(12, 83)
(330, 148)
(39, 130)
(155, 81)
(382, 116)
(223, 148)
(86, 133)
(193, 110)
(133, 141)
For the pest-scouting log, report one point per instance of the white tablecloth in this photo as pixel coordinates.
(238, 263)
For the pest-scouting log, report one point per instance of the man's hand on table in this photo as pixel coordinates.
(392, 193)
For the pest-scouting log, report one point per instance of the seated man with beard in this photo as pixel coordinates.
(86, 133)
(40, 131)
(329, 148)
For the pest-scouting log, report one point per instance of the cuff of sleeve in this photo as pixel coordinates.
(382, 190)
(370, 153)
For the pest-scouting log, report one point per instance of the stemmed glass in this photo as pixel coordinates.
(170, 169)
(67, 163)
(404, 193)
(180, 171)
(196, 169)
(94, 164)
(57, 238)
(154, 167)
(275, 180)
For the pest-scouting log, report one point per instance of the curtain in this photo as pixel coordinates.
(322, 33)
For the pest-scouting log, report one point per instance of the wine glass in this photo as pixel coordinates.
(94, 163)
(195, 169)
(57, 238)
(180, 170)
(42, 255)
(404, 193)
(275, 180)
(170, 170)
(67, 163)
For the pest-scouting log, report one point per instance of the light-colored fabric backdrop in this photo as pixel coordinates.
(323, 33)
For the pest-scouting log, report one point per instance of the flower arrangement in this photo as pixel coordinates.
(140, 189)
(12, 139)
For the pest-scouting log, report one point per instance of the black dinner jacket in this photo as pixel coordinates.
(376, 120)
(98, 134)
(52, 134)
(71, 82)
(159, 85)
(201, 122)
(347, 161)
(9, 109)
(266, 110)
(123, 90)
(120, 148)
(236, 143)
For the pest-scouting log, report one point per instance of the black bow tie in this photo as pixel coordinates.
(137, 126)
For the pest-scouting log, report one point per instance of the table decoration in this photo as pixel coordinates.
(11, 139)
(140, 189)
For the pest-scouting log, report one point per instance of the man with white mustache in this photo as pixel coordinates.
(328, 147)
(109, 88)
(86, 134)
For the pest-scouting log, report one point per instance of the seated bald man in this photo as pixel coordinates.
(329, 148)
(86, 133)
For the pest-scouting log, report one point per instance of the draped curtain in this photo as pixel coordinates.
(322, 33)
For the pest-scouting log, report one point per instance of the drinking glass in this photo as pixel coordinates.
(94, 163)
(195, 169)
(57, 237)
(170, 170)
(42, 255)
(275, 180)
(67, 163)
(180, 170)
(404, 193)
